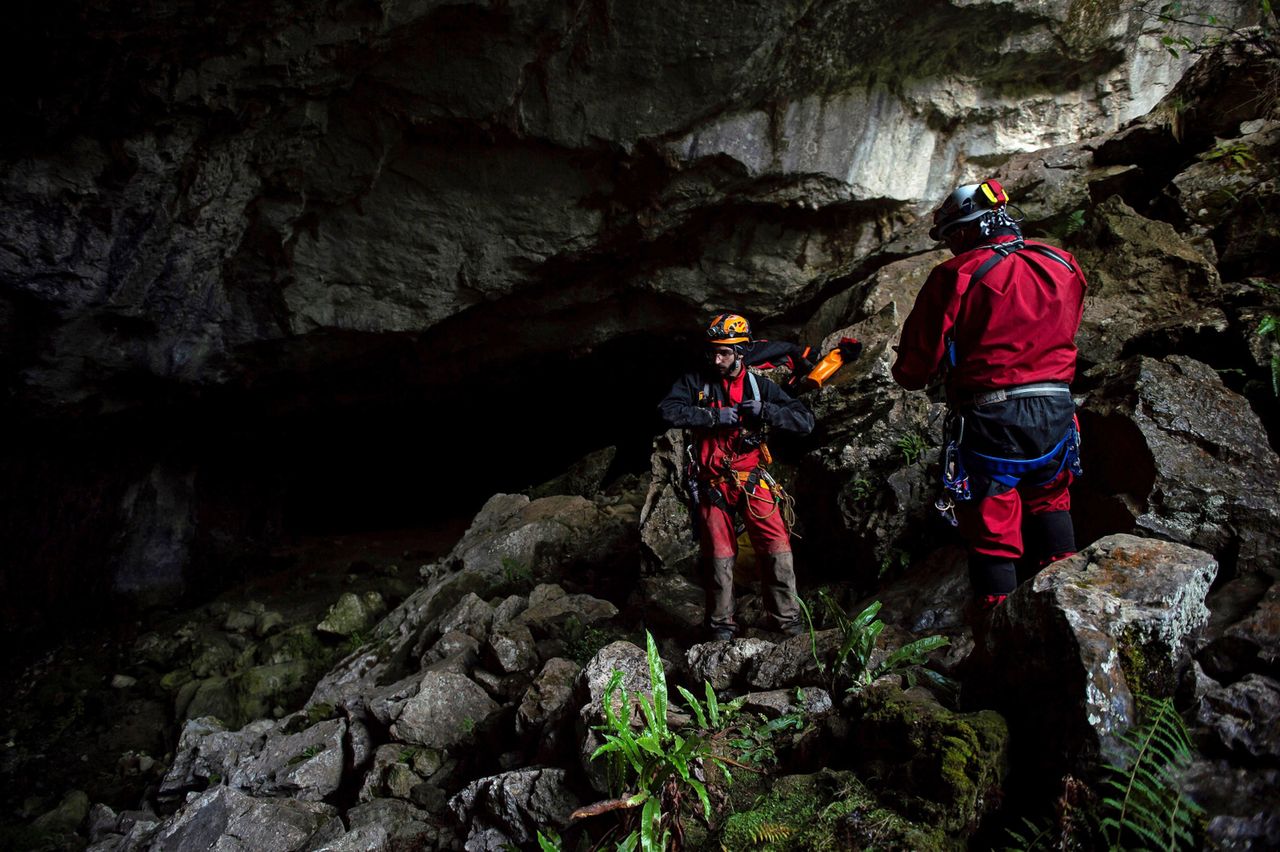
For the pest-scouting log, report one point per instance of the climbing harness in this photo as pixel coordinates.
(958, 460)
(749, 482)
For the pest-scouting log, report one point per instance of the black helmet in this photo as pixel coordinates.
(965, 204)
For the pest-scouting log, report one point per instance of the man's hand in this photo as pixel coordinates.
(850, 348)
(750, 409)
(726, 416)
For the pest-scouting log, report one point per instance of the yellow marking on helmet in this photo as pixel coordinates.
(991, 196)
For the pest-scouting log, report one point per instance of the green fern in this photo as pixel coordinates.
(1148, 809)
(754, 830)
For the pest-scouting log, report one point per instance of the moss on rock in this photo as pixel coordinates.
(945, 766)
(826, 811)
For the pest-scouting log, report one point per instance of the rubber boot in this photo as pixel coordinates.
(779, 581)
(720, 619)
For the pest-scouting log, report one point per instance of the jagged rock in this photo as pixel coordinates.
(945, 767)
(472, 616)
(551, 608)
(206, 749)
(454, 652)
(514, 540)
(1185, 458)
(1244, 718)
(67, 817)
(353, 614)
(411, 773)
(241, 823)
(1224, 199)
(780, 702)
(512, 807)
(722, 663)
(406, 826)
(513, 648)
(260, 759)
(1143, 278)
(1070, 647)
(790, 663)
(385, 703)
(1244, 803)
(366, 838)
(1251, 644)
(444, 712)
(548, 697)
(306, 766)
(670, 603)
(124, 832)
(243, 619)
(584, 478)
(666, 531)
(510, 607)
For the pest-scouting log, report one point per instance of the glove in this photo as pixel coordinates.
(750, 409)
(850, 348)
(725, 416)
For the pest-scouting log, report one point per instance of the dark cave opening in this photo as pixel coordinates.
(219, 480)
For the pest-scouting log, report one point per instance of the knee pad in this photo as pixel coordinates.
(1057, 536)
(992, 575)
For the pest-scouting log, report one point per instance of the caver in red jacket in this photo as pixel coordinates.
(730, 484)
(1012, 328)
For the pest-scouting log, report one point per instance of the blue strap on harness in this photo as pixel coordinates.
(958, 461)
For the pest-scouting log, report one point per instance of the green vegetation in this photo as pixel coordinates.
(1268, 327)
(654, 768)
(824, 812)
(1213, 31)
(581, 642)
(860, 637)
(912, 446)
(516, 572)
(1142, 803)
(1232, 155)
(1146, 807)
(861, 488)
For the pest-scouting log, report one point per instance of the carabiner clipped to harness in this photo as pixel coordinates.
(955, 479)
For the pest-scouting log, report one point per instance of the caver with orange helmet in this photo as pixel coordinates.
(725, 407)
(728, 330)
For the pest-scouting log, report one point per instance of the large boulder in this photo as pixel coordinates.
(1171, 452)
(947, 769)
(445, 711)
(1069, 648)
(225, 818)
(511, 542)
(286, 758)
(1144, 279)
(511, 808)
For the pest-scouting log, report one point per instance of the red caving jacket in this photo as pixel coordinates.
(684, 407)
(1016, 326)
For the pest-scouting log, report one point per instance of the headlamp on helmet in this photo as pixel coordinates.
(966, 203)
(728, 330)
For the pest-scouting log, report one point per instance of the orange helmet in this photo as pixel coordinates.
(728, 329)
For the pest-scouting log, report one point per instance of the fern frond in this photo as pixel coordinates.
(1148, 806)
(770, 832)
